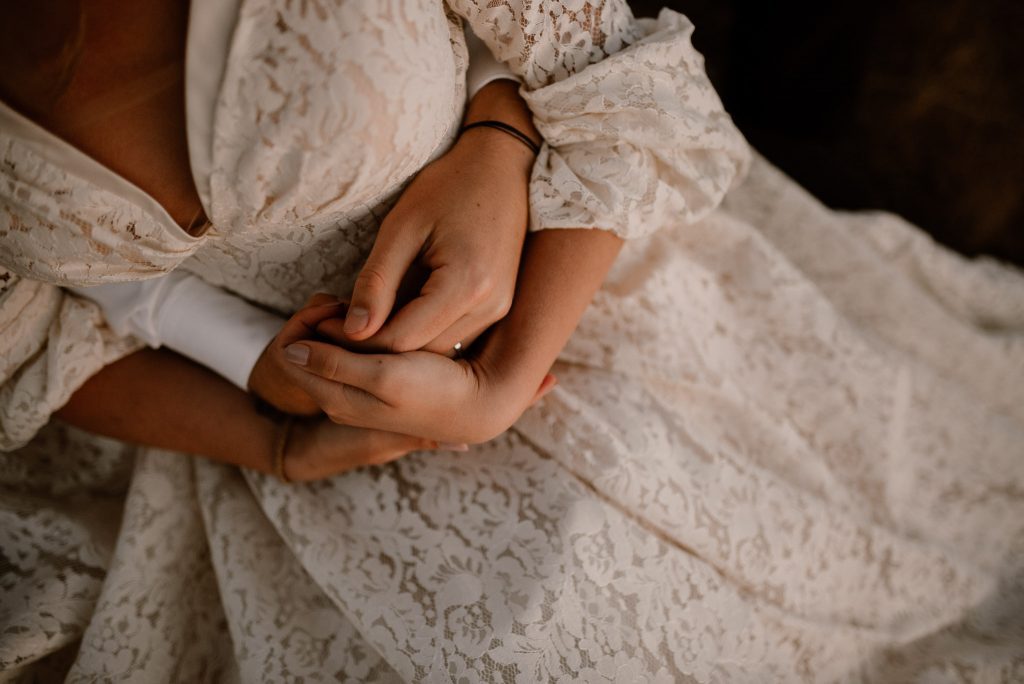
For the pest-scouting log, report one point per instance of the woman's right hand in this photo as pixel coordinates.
(461, 221)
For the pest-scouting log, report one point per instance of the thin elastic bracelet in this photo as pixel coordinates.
(284, 431)
(284, 423)
(502, 126)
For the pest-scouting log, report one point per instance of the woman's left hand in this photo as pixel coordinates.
(463, 219)
(415, 393)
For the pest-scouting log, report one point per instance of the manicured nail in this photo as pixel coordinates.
(297, 354)
(357, 319)
(451, 446)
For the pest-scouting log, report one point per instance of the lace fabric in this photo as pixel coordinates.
(762, 463)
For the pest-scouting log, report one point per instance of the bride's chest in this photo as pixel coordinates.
(325, 107)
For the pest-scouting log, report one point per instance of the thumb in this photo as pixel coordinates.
(377, 283)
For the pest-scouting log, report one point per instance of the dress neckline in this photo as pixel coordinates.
(211, 28)
(66, 156)
(211, 25)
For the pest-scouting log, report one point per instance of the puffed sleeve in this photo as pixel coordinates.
(51, 342)
(636, 136)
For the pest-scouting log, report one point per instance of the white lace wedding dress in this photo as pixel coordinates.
(787, 443)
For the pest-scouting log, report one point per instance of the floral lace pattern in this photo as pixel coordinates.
(762, 462)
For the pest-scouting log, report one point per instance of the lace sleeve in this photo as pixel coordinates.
(50, 343)
(483, 68)
(635, 134)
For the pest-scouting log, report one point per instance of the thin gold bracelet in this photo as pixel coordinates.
(284, 431)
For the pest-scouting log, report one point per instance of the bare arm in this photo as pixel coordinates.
(160, 399)
(561, 271)
(477, 398)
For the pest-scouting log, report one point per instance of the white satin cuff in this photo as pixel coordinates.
(182, 312)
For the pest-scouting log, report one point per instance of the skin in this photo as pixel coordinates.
(196, 411)
(122, 100)
(480, 395)
(461, 222)
(469, 247)
(461, 218)
(476, 398)
(199, 412)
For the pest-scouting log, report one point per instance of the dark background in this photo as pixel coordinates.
(915, 106)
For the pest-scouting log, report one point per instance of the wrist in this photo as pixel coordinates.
(509, 371)
(508, 152)
(500, 101)
(264, 432)
(499, 400)
(560, 272)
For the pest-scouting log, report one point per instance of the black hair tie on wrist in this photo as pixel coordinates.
(502, 126)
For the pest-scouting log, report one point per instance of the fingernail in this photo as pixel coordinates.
(452, 446)
(297, 354)
(357, 319)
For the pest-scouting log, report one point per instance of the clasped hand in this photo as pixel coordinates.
(462, 220)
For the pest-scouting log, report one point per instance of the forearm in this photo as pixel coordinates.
(561, 270)
(500, 100)
(160, 399)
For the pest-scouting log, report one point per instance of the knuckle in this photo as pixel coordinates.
(403, 342)
(371, 278)
(478, 281)
(329, 367)
(481, 285)
(501, 306)
(318, 298)
(339, 410)
(335, 415)
(385, 379)
(441, 346)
